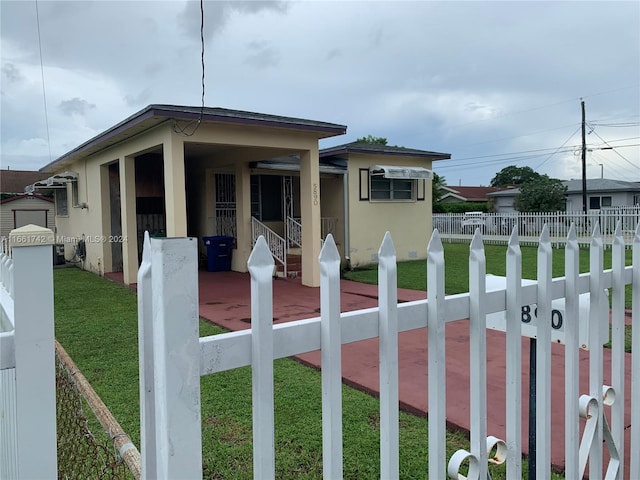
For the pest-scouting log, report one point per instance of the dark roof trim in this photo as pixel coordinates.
(225, 115)
(22, 196)
(377, 149)
(161, 113)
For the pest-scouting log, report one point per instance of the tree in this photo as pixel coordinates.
(542, 194)
(513, 175)
(372, 139)
(436, 191)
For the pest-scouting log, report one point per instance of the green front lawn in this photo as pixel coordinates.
(96, 322)
(413, 274)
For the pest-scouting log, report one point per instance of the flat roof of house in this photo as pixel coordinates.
(155, 114)
(379, 149)
(602, 185)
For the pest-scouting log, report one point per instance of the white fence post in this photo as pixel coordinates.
(436, 352)
(617, 343)
(331, 346)
(571, 355)
(148, 432)
(635, 357)
(543, 358)
(261, 269)
(388, 332)
(176, 352)
(34, 351)
(478, 354)
(596, 265)
(514, 357)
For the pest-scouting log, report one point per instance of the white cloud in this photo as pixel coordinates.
(469, 78)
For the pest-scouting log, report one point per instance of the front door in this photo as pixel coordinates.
(225, 204)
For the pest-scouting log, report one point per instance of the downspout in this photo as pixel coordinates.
(345, 199)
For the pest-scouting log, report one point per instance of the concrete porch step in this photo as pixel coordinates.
(294, 266)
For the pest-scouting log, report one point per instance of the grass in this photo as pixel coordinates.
(96, 322)
(413, 274)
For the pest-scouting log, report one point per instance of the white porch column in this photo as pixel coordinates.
(105, 211)
(243, 218)
(128, 219)
(174, 186)
(310, 211)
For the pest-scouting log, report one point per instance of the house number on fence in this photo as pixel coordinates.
(529, 316)
(315, 194)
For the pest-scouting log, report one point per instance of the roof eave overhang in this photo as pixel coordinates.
(154, 115)
(434, 156)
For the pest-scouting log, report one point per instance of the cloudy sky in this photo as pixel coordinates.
(492, 83)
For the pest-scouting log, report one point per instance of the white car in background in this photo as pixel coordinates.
(473, 220)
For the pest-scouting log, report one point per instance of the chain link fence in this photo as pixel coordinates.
(107, 452)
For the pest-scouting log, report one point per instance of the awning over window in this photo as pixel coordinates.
(393, 171)
(56, 181)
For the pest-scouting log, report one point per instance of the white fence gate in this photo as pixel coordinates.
(172, 358)
(27, 361)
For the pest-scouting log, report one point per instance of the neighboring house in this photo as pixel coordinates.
(602, 193)
(187, 171)
(17, 208)
(504, 200)
(462, 194)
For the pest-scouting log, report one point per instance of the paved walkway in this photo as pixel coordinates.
(225, 300)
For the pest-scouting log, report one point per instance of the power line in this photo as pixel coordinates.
(615, 151)
(558, 149)
(184, 131)
(44, 91)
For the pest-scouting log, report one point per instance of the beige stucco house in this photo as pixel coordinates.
(188, 171)
(386, 188)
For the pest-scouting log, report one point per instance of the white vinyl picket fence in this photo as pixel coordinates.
(496, 227)
(27, 360)
(172, 357)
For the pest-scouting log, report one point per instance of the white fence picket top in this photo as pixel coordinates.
(265, 342)
(436, 353)
(514, 357)
(571, 355)
(635, 356)
(261, 269)
(388, 327)
(331, 358)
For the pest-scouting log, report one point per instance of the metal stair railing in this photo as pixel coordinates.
(294, 231)
(277, 244)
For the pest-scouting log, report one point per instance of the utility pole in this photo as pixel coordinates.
(584, 159)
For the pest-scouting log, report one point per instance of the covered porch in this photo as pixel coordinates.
(225, 180)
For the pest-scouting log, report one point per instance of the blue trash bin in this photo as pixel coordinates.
(218, 253)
